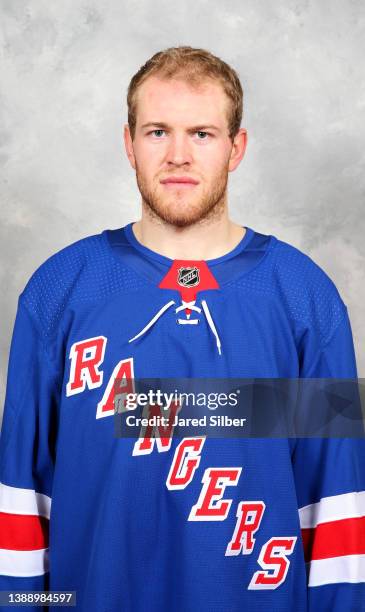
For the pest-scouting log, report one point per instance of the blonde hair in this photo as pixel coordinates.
(192, 65)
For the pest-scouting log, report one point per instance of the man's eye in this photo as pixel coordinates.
(204, 134)
(157, 132)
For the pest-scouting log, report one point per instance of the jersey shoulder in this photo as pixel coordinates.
(82, 272)
(292, 280)
(309, 294)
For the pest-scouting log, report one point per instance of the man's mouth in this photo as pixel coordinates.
(181, 181)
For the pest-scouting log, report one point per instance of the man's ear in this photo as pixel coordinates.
(238, 149)
(128, 143)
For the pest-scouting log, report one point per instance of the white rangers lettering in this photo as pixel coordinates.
(249, 515)
(215, 480)
(274, 561)
(184, 464)
(86, 357)
(120, 383)
(160, 435)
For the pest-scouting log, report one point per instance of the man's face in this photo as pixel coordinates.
(182, 134)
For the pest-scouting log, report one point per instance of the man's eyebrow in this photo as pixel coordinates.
(194, 128)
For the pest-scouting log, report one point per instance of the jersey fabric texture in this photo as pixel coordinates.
(190, 525)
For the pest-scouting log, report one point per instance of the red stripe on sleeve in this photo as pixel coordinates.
(334, 539)
(23, 532)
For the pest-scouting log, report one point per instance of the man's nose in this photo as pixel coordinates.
(179, 150)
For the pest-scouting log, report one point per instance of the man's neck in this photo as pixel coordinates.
(209, 240)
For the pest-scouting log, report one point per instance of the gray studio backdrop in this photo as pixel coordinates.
(64, 175)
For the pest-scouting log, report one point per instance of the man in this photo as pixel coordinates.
(159, 523)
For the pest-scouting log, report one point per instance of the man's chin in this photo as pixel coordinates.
(179, 218)
(181, 222)
(181, 212)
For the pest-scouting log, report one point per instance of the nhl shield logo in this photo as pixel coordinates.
(188, 277)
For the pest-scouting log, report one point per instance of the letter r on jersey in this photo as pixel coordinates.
(249, 515)
(86, 357)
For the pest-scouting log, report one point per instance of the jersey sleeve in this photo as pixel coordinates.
(335, 358)
(329, 477)
(27, 451)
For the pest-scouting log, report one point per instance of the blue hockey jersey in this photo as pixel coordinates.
(164, 524)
